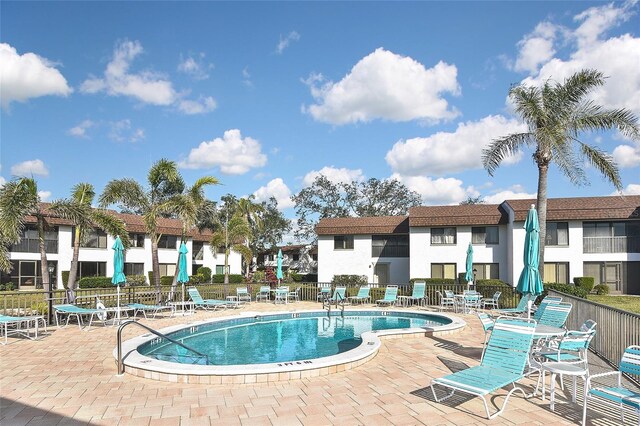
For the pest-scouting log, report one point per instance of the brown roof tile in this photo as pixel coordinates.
(583, 208)
(363, 225)
(467, 214)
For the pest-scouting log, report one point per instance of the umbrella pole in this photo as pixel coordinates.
(118, 311)
(529, 305)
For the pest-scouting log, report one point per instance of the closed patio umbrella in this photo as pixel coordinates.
(469, 275)
(183, 277)
(118, 269)
(279, 275)
(529, 282)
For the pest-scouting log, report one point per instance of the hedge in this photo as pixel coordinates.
(565, 288)
(492, 283)
(205, 272)
(431, 281)
(349, 280)
(601, 289)
(65, 278)
(584, 282)
(95, 282)
(233, 278)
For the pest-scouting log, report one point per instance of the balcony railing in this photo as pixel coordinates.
(29, 245)
(611, 244)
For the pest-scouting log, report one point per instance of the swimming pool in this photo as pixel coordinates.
(252, 347)
(281, 338)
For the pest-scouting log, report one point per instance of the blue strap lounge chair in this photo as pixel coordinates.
(487, 325)
(616, 396)
(78, 312)
(324, 293)
(208, 304)
(243, 294)
(20, 325)
(545, 302)
(264, 293)
(491, 302)
(339, 296)
(445, 300)
(153, 309)
(504, 362)
(418, 293)
(518, 310)
(554, 315)
(362, 296)
(390, 296)
(282, 295)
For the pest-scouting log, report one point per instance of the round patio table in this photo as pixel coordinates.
(546, 331)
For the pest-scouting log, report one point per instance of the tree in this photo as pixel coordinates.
(252, 213)
(556, 114)
(18, 199)
(164, 183)
(231, 236)
(369, 198)
(78, 210)
(274, 227)
(472, 200)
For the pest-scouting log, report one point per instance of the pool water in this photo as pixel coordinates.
(280, 338)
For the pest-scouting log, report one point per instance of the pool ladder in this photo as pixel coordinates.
(151, 330)
(326, 303)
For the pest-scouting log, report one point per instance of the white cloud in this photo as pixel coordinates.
(195, 67)
(2, 181)
(516, 192)
(246, 77)
(29, 168)
(536, 48)
(335, 175)
(437, 191)
(80, 131)
(146, 86)
(384, 85)
(627, 156)
(279, 190)
(123, 131)
(450, 152)
(234, 154)
(201, 106)
(286, 41)
(27, 76)
(631, 189)
(44, 195)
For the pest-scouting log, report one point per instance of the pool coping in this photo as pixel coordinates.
(143, 366)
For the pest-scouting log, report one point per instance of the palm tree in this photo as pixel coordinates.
(78, 210)
(252, 213)
(556, 114)
(157, 201)
(232, 236)
(18, 199)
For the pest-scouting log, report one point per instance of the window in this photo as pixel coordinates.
(314, 257)
(557, 272)
(390, 246)
(133, 269)
(136, 240)
(611, 237)
(343, 242)
(167, 269)
(30, 243)
(443, 270)
(487, 271)
(197, 250)
(443, 236)
(484, 235)
(220, 250)
(92, 269)
(295, 257)
(557, 234)
(168, 242)
(219, 269)
(93, 238)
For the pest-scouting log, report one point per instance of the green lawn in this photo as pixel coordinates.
(627, 303)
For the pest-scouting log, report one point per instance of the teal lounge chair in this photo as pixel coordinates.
(504, 362)
(20, 325)
(554, 314)
(339, 296)
(487, 325)
(243, 294)
(362, 296)
(264, 293)
(209, 304)
(390, 296)
(418, 293)
(543, 304)
(282, 295)
(324, 293)
(616, 396)
(518, 310)
(154, 309)
(78, 312)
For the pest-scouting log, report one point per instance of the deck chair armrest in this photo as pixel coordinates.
(599, 375)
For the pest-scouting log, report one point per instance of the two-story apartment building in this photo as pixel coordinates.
(96, 254)
(587, 236)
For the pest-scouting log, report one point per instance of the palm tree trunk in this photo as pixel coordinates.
(226, 266)
(44, 270)
(543, 169)
(73, 270)
(155, 266)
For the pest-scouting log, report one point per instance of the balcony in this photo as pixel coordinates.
(30, 245)
(390, 251)
(611, 244)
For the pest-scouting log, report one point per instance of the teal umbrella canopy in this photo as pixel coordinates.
(469, 275)
(279, 268)
(183, 277)
(118, 263)
(529, 281)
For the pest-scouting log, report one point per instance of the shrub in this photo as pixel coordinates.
(349, 280)
(295, 277)
(205, 272)
(601, 289)
(584, 282)
(197, 278)
(492, 283)
(65, 279)
(310, 278)
(95, 282)
(150, 273)
(136, 280)
(258, 276)
(166, 280)
(233, 278)
(565, 288)
(431, 281)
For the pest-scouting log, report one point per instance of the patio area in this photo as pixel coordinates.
(69, 378)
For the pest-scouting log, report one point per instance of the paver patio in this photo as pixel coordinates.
(69, 378)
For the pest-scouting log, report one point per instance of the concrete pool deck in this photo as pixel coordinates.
(69, 378)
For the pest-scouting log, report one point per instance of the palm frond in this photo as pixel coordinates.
(18, 199)
(604, 163)
(574, 89)
(78, 213)
(592, 117)
(127, 192)
(528, 103)
(111, 225)
(83, 193)
(502, 148)
(562, 154)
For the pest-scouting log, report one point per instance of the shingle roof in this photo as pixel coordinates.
(583, 208)
(467, 214)
(363, 225)
(134, 223)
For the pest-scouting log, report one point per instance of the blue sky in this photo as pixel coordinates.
(265, 96)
